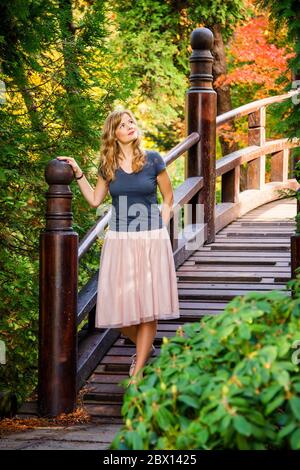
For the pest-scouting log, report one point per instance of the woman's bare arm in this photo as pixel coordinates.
(94, 197)
(165, 186)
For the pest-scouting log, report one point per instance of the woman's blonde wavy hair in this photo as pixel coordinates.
(110, 150)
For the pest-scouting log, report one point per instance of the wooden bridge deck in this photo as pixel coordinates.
(250, 254)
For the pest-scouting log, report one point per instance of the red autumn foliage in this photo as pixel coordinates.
(255, 60)
(254, 64)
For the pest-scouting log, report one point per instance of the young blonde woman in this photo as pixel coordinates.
(137, 283)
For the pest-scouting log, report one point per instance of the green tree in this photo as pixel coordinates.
(155, 36)
(62, 78)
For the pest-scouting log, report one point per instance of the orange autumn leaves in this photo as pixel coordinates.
(254, 59)
(255, 63)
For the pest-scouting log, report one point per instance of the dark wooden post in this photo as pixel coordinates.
(230, 189)
(201, 111)
(58, 297)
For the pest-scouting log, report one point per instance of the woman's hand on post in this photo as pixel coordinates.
(94, 197)
(76, 170)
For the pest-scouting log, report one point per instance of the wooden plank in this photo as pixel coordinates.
(194, 315)
(242, 246)
(258, 230)
(238, 261)
(126, 351)
(209, 276)
(260, 218)
(211, 255)
(211, 273)
(166, 326)
(104, 392)
(223, 294)
(263, 223)
(242, 269)
(113, 367)
(202, 305)
(249, 236)
(275, 241)
(102, 369)
(95, 409)
(211, 250)
(103, 378)
(245, 286)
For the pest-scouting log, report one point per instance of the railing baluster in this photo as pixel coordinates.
(256, 136)
(231, 185)
(280, 165)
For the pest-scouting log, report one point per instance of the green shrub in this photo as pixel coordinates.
(226, 382)
(18, 330)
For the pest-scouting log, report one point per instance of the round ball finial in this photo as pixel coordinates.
(202, 38)
(58, 172)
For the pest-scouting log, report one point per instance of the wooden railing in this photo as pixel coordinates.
(255, 154)
(64, 362)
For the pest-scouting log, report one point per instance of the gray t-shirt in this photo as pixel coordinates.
(134, 197)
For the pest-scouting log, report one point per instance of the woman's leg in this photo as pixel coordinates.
(130, 332)
(145, 337)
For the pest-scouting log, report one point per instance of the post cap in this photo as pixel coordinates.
(202, 38)
(58, 172)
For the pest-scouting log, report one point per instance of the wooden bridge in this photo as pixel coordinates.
(238, 245)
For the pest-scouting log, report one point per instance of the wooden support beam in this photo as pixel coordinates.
(255, 178)
(58, 297)
(201, 109)
(280, 165)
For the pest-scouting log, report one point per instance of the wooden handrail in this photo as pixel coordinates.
(90, 237)
(182, 147)
(253, 106)
(237, 158)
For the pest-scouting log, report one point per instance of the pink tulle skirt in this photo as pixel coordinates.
(137, 279)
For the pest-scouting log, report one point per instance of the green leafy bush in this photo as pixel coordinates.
(226, 382)
(18, 330)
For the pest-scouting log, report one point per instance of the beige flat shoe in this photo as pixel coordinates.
(131, 369)
(133, 357)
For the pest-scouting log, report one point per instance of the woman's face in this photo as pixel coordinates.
(127, 130)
